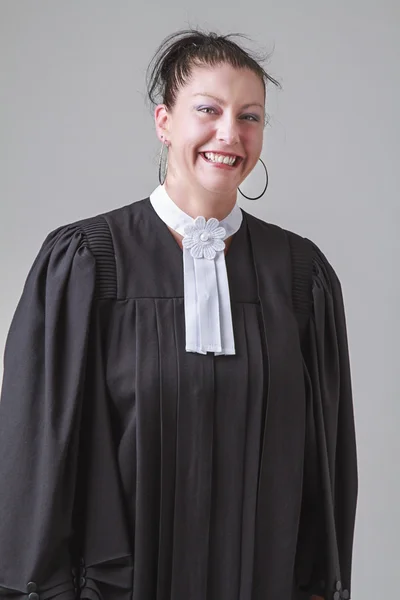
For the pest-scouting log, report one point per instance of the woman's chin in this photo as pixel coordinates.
(220, 181)
(218, 186)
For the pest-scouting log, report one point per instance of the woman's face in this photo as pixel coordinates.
(221, 110)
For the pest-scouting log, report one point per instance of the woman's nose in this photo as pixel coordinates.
(228, 131)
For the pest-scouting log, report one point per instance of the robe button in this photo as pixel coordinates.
(33, 596)
(339, 586)
(82, 582)
(31, 587)
(336, 596)
(346, 594)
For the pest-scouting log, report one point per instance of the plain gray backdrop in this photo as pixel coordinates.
(77, 139)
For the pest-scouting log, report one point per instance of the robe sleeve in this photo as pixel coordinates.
(330, 473)
(44, 369)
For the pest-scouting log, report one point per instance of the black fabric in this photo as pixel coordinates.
(132, 469)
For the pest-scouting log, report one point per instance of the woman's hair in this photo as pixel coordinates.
(171, 67)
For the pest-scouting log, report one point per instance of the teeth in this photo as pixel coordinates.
(219, 158)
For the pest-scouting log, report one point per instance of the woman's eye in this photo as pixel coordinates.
(206, 108)
(251, 118)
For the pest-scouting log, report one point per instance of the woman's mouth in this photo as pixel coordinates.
(221, 160)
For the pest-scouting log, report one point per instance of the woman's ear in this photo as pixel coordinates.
(162, 118)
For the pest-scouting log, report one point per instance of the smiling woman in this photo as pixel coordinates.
(213, 108)
(218, 132)
(176, 419)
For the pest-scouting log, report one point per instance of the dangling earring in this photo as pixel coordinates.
(164, 145)
(266, 185)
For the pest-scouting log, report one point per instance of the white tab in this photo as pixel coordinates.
(208, 316)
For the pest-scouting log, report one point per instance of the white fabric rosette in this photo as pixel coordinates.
(204, 238)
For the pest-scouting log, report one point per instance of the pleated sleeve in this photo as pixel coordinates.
(330, 471)
(40, 407)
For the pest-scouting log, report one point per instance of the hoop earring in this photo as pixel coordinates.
(265, 188)
(164, 145)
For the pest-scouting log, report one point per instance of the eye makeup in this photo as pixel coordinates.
(246, 117)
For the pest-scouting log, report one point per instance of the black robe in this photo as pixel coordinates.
(131, 469)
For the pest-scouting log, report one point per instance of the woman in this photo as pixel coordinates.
(176, 415)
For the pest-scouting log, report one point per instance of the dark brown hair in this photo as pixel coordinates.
(171, 66)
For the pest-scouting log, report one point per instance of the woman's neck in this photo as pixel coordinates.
(207, 204)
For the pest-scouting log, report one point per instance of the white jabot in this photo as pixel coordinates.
(208, 315)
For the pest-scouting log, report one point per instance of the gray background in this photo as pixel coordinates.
(77, 139)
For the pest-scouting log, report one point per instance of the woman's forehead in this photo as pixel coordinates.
(223, 80)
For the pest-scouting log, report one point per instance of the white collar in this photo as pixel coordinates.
(208, 315)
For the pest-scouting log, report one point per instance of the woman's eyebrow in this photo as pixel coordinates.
(220, 101)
